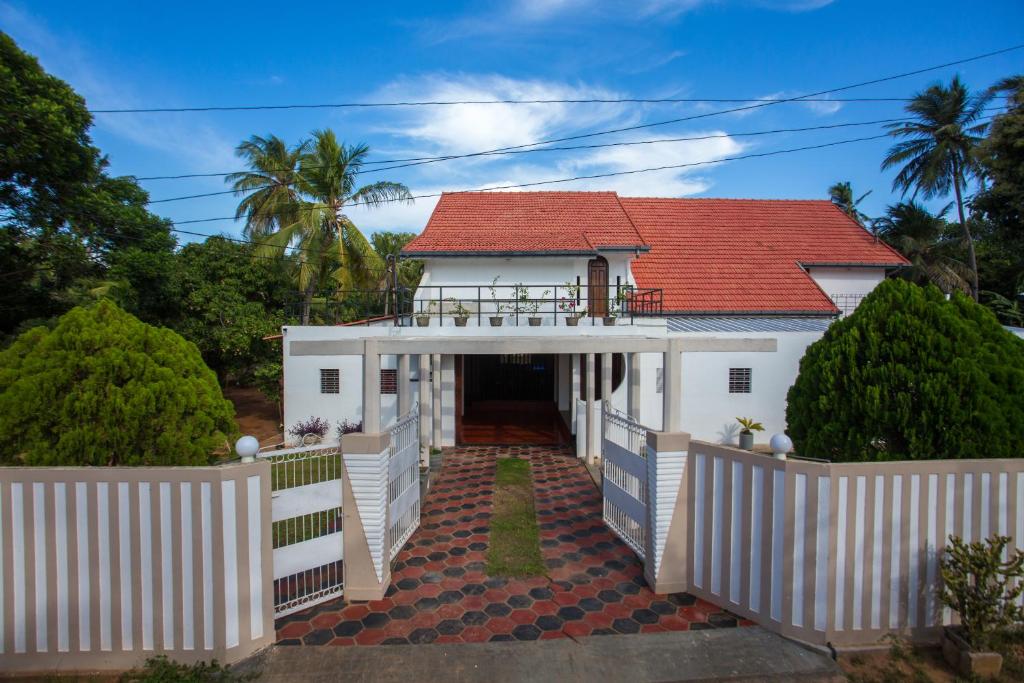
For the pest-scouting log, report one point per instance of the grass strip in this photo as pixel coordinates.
(515, 539)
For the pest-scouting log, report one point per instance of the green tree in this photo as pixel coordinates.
(104, 388)
(842, 196)
(924, 239)
(388, 246)
(910, 375)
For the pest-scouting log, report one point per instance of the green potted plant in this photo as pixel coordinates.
(497, 319)
(567, 304)
(614, 308)
(532, 307)
(749, 426)
(458, 311)
(983, 589)
(423, 317)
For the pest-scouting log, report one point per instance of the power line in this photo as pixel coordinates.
(446, 103)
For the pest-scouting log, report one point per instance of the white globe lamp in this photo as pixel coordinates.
(781, 445)
(247, 447)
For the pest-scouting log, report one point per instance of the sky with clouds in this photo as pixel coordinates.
(130, 55)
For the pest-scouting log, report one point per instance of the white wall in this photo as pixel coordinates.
(847, 280)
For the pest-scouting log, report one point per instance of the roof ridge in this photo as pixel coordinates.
(730, 199)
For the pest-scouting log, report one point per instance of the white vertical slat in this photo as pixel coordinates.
(931, 548)
(840, 608)
(1018, 539)
(822, 554)
(778, 531)
(698, 522)
(85, 596)
(913, 549)
(146, 562)
(20, 589)
(799, 518)
(756, 532)
(736, 534)
(124, 536)
(986, 502)
(167, 573)
(39, 539)
(3, 578)
(876, 554)
(717, 490)
(255, 523)
(205, 503)
(188, 632)
(947, 613)
(60, 529)
(1002, 511)
(103, 561)
(894, 551)
(230, 563)
(968, 497)
(858, 552)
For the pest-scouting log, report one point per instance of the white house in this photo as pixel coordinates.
(727, 293)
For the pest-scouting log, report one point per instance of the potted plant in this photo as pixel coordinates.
(747, 433)
(458, 311)
(983, 589)
(614, 308)
(423, 317)
(497, 319)
(532, 307)
(567, 304)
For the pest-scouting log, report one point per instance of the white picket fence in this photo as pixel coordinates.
(306, 510)
(624, 478)
(403, 480)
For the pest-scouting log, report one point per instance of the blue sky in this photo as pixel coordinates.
(121, 55)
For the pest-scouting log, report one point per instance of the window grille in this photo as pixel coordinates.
(330, 381)
(389, 381)
(739, 380)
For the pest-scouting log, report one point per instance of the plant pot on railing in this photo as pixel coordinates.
(749, 426)
(967, 661)
(572, 320)
(608, 320)
(535, 322)
(422, 321)
(461, 320)
(496, 320)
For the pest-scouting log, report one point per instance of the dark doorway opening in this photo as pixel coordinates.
(508, 399)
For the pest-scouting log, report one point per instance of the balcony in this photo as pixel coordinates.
(479, 306)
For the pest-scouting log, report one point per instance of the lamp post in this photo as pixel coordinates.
(247, 447)
(781, 445)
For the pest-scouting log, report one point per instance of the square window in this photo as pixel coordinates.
(739, 380)
(389, 381)
(330, 381)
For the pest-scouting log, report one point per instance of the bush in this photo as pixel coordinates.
(983, 588)
(314, 425)
(159, 669)
(104, 388)
(910, 375)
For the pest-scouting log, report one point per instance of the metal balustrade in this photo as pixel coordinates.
(403, 480)
(624, 478)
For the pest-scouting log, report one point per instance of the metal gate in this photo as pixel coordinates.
(403, 480)
(307, 533)
(624, 478)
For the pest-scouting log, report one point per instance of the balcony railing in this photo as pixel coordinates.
(462, 305)
(847, 303)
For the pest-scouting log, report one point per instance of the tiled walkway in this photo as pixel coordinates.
(440, 592)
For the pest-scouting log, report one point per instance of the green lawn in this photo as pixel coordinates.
(515, 540)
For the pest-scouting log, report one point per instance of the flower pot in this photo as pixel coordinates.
(496, 320)
(572, 321)
(422, 321)
(535, 322)
(461, 321)
(608, 321)
(965, 660)
(747, 441)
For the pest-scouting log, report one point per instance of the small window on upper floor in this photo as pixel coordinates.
(330, 381)
(739, 380)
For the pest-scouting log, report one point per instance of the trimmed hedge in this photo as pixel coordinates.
(910, 375)
(104, 388)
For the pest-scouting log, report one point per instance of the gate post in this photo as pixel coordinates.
(365, 515)
(667, 518)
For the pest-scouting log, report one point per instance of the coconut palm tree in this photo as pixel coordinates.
(841, 195)
(270, 186)
(937, 150)
(923, 238)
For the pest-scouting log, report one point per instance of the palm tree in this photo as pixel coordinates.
(938, 152)
(923, 238)
(841, 195)
(295, 199)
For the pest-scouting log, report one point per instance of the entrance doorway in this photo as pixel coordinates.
(508, 399)
(597, 287)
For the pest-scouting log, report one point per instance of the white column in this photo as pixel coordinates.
(672, 397)
(424, 398)
(591, 381)
(575, 375)
(371, 388)
(606, 377)
(435, 413)
(404, 385)
(634, 386)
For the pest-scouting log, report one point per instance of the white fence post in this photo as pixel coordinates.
(365, 515)
(667, 519)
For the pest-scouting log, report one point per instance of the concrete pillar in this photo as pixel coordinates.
(435, 413)
(404, 385)
(635, 397)
(575, 376)
(424, 398)
(591, 381)
(672, 396)
(606, 376)
(371, 388)
(364, 505)
(666, 538)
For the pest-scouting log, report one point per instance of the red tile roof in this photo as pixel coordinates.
(525, 222)
(707, 255)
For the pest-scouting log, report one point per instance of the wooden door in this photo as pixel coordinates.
(597, 287)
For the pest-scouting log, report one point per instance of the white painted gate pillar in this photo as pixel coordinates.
(667, 519)
(365, 515)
